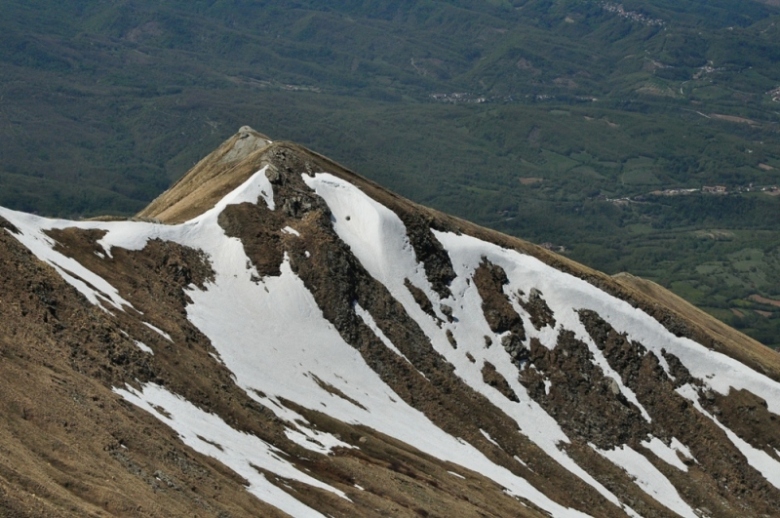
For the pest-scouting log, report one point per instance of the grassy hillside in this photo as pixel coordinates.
(566, 122)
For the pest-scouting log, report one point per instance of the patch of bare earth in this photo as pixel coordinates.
(763, 300)
(733, 118)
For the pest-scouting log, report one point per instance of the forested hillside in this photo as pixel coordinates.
(591, 126)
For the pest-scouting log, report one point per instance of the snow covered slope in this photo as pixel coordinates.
(346, 353)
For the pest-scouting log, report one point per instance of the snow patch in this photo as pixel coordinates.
(210, 435)
(759, 459)
(315, 440)
(158, 331)
(489, 438)
(648, 478)
(371, 323)
(145, 348)
(665, 453)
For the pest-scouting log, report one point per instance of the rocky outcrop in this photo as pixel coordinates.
(499, 313)
(540, 313)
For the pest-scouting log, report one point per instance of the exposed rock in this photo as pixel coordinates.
(733, 480)
(499, 313)
(438, 267)
(421, 299)
(447, 311)
(247, 142)
(4, 223)
(451, 339)
(494, 378)
(581, 398)
(537, 308)
(748, 416)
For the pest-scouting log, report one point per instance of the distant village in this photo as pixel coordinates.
(634, 16)
(772, 190)
(717, 190)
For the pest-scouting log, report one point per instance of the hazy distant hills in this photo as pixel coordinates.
(536, 118)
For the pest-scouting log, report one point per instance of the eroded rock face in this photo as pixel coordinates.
(581, 397)
(537, 308)
(493, 378)
(499, 313)
(673, 416)
(438, 267)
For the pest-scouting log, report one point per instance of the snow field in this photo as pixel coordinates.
(275, 340)
(32, 236)
(377, 237)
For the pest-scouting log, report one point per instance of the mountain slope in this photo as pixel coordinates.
(276, 326)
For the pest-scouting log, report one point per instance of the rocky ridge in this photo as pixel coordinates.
(278, 336)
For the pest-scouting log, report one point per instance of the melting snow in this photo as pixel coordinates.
(145, 348)
(210, 435)
(759, 459)
(647, 477)
(666, 453)
(158, 331)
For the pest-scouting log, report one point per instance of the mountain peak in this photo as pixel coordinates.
(210, 179)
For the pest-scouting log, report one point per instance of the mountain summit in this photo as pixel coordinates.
(278, 336)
